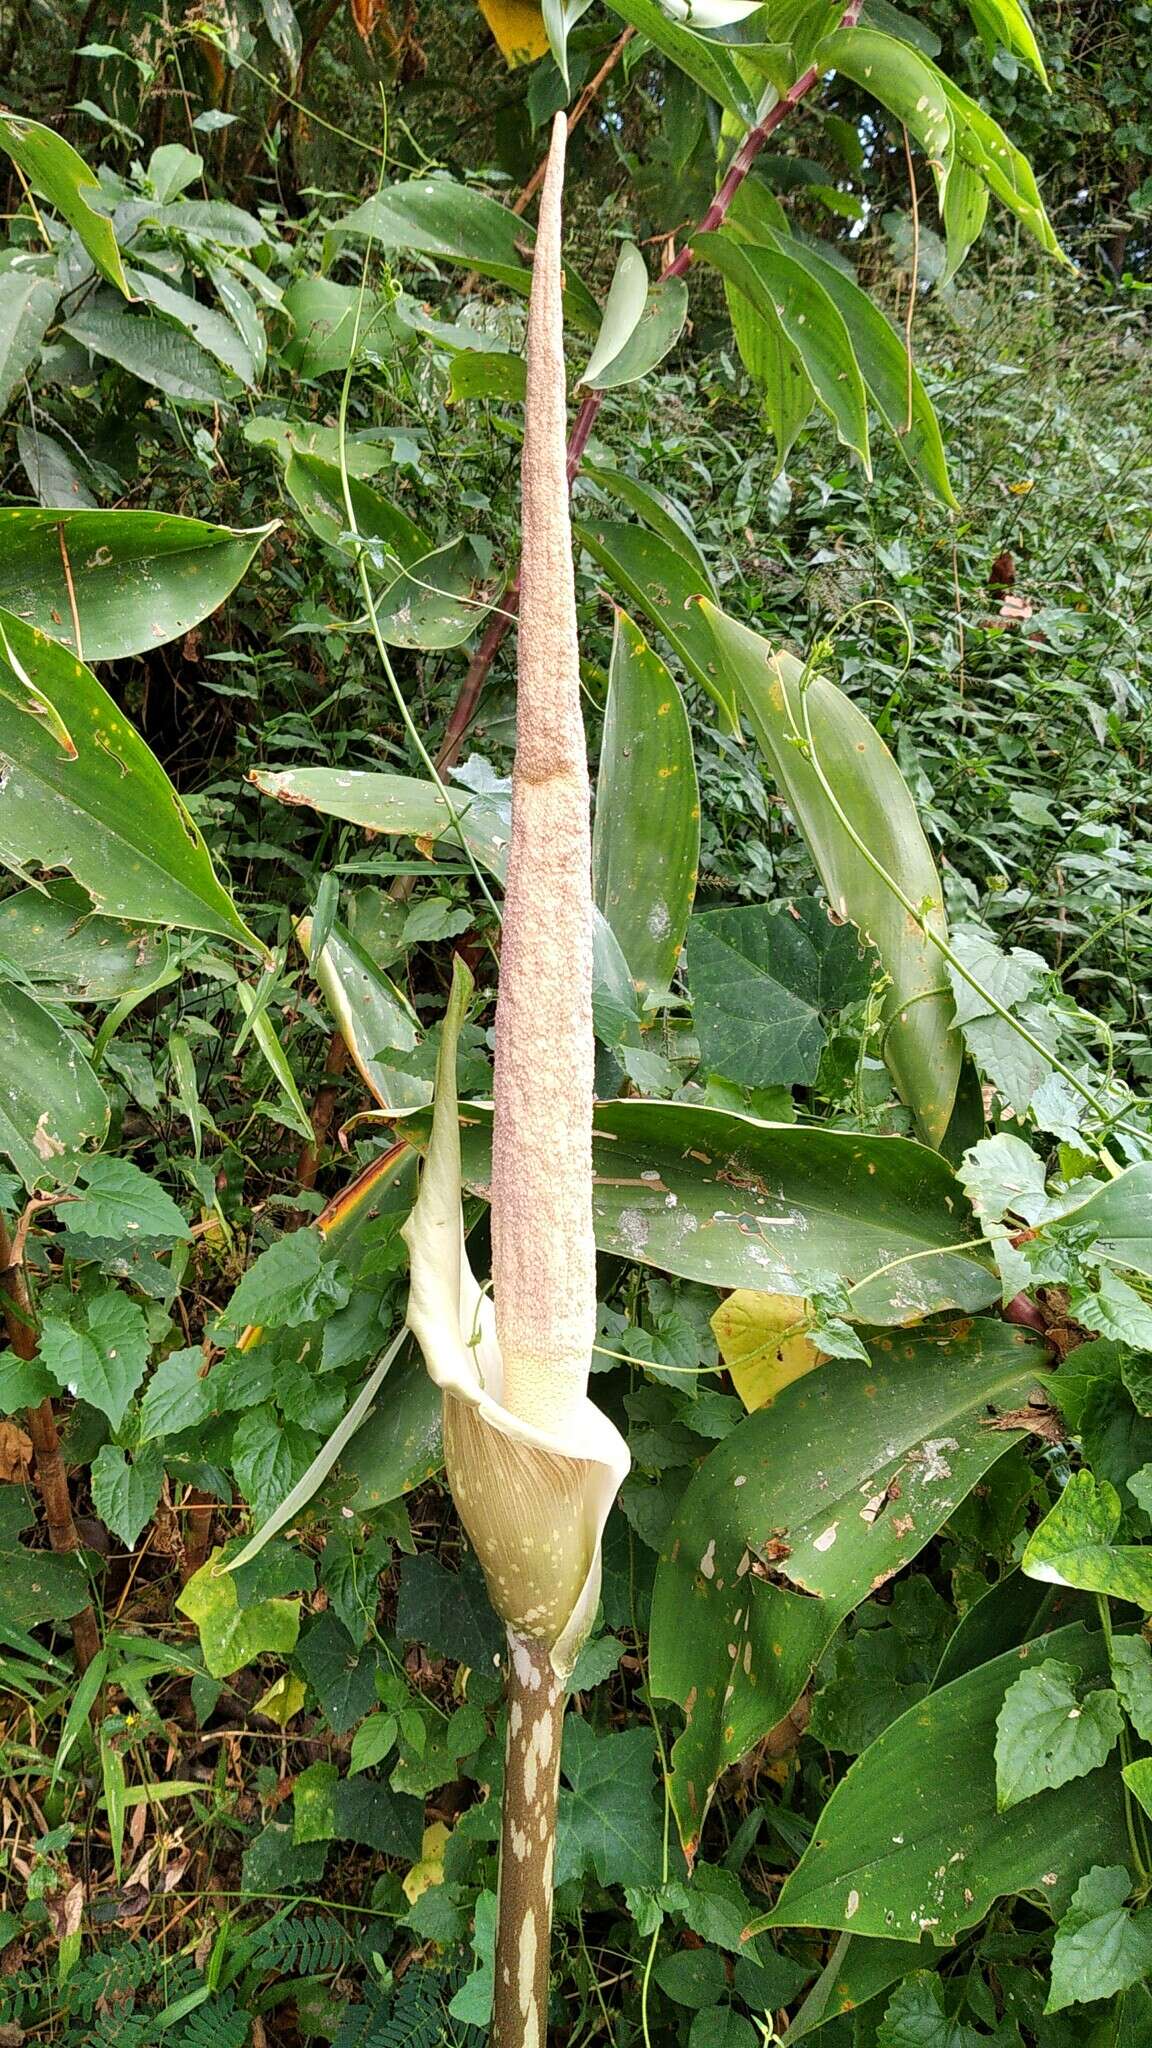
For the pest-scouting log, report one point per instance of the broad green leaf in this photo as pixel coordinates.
(373, 1018)
(232, 1636)
(1101, 1947)
(982, 145)
(149, 347)
(289, 1285)
(365, 454)
(269, 1455)
(100, 1358)
(54, 170)
(560, 18)
(179, 1395)
(210, 329)
(437, 601)
(241, 309)
(800, 1513)
(1121, 1213)
(124, 1494)
(641, 323)
(171, 169)
(646, 842)
(911, 88)
(111, 816)
(1075, 1545)
(785, 294)
(922, 1047)
(115, 1199)
(491, 374)
(893, 385)
(27, 304)
(35, 1585)
(726, 1199)
(1138, 1778)
(658, 578)
(855, 1972)
(55, 939)
(608, 1821)
(1006, 22)
(915, 2018)
(694, 1977)
(764, 979)
(711, 65)
(447, 1612)
(399, 1445)
(1003, 1175)
(1048, 1732)
(657, 510)
(328, 319)
(341, 1674)
(435, 216)
(912, 1842)
(291, 1110)
(138, 578)
(53, 472)
(397, 803)
(52, 1107)
(776, 370)
(1132, 1677)
(315, 486)
(212, 221)
(720, 2026)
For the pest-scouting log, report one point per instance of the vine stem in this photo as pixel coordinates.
(536, 1702)
(51, 1474)
(713, 218)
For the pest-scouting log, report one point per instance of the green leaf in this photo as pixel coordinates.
(776, 370)
(912, 1841)
(115, 1199)
(399, 1445)
(209, 328)
(922, 1047)
(289, 1285)
(1075, 1545)
(53, 937)
(373, 1018)
(138, 578)
(1002, 1175)
(397, 803)
(27, 305)
(52, 1107)
(785, 294)
(438, 601)
(54, 170)
(608, 1820)
(800, 1513)
(103, 1361)
(1132, 1677)
(434, 216)
(1006, 22)
(665, 515)
(374, 1739)
(1138, 1778)
(763, 979)
(232, 1636)
(23, 1383)
(341, 1674)
(315, 486)
(472, 2004)
(125, 1495)
(151, 348)
(327, 318)
(448, 1613)
(110, 815)
(658, 578)
(178, 1396)
(894, 387)
(646, 842)
(915, 2018)
(694, 1977)
(641, 323)
(268, 1456)
(489, 374)
(982, 145)
(1121, 1213)
(712, 1195)
(907, 84)
(35, 1585)
(1101, 1947)
(1048, 1733)
(53, 473)
(709, 64)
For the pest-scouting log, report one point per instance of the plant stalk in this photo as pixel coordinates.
(536, 1701)
(712, 219)
(51, 1474)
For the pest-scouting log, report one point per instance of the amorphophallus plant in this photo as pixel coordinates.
(533, 1466)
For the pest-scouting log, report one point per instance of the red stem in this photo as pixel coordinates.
(585, 420)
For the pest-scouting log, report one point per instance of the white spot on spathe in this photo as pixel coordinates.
(708, 1561)
(526, 1978)
(826, 1541)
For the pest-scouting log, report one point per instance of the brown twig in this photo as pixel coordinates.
(713, 219)
(51, 1475)
(323, 1111)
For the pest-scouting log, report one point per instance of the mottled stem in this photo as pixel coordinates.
(536, 1702)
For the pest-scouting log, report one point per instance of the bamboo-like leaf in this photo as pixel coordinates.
(922, 1046)
(54, 170)
(711, 65)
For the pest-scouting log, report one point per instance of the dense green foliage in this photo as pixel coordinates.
(869, 1676)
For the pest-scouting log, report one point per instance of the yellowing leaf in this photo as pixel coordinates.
(518, 26)
(430, 1869)
(283, 1699)
(749, 1328)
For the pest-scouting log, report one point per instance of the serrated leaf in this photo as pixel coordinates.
(102, 1361)
(764, 978)
(178, 1395)
(232, 1636)
(1131, 1661)
(125, 1493)
(1048, 1733)
(289, 1285)
(608, 1820)
(342, 1675)
(269, 1455)
(915, 2018)
(152, 349)
(1075, 1545)
(1101, 1947)
(115, 1199)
